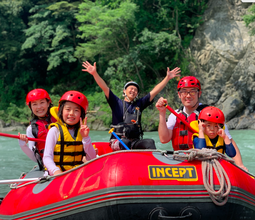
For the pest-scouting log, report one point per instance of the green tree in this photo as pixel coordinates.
(249, 19)
(13, 80)
(51, 41)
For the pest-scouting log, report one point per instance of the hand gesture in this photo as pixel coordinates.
(160, 105)
(173, 73)
(221, 132)
(23, 137)
(201, 126)
(84, 129)
(89, 68)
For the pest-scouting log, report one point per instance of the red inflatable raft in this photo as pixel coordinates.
(138, 184)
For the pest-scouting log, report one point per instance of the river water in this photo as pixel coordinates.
(13, 161)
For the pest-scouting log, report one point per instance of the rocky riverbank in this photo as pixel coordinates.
(224, 54)
(12, 126)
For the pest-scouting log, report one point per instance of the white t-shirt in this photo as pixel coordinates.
(28, 149)
(172, 120)
(50, 144)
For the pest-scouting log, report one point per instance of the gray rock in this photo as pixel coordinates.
(224, 54)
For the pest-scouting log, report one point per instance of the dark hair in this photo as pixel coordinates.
(202, 120)
(60, 112)
(48, 112)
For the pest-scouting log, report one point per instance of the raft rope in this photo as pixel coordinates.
(210, 161)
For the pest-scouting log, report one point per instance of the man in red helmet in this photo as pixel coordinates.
(189, 91)
(126, 114)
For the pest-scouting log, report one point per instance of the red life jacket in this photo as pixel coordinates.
(40, 130)
(182, 135)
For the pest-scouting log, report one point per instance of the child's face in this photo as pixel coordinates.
(211, 129)
(71, 113)
(40, 107)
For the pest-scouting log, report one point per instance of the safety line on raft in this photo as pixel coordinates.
(209, 158)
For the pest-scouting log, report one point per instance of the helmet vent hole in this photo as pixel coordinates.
(217, 117)
(209, 115)
(71, 94)
(79, 97)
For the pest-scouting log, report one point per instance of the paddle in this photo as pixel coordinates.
(112, 132)
(11, 181)
(178, 116)
(17, 137)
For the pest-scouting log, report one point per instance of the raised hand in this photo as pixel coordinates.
(84, 129)
(173, 73)
(201, 125)
(23, 137)
(221, 132)
(89, 68)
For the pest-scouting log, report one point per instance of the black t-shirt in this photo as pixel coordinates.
(116, 105)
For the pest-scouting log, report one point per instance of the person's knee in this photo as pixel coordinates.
(127, 142)
(145, 144)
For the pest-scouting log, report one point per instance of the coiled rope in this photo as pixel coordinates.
(210, 161)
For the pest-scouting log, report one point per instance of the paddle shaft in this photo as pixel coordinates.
(11, 181)
(178, 116)
(115, 135)
(17, 137)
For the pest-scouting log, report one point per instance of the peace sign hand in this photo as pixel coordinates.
(89, 68)
(84, 129)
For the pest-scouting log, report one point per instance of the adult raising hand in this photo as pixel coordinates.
(89, 68)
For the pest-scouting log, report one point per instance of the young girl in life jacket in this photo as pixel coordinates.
(68, 139)
(211, 132)
(39, 101)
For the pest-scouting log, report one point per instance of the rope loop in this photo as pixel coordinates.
(210, 164)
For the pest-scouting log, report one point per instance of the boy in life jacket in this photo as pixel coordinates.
(211, 132)
(126, 114)
(68, 139)
(39, 101)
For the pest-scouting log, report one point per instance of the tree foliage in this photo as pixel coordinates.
(44, 42)
(249, 19)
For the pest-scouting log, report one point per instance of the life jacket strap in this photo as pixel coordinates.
(184, 146)
(69, 163)
(71, 153)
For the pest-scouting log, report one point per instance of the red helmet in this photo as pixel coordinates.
(37, 94)
(189, 81)
(212, 114)
(75, 97)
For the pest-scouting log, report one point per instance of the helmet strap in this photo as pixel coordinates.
(125, 95)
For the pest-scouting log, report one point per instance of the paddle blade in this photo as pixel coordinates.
(194, 126)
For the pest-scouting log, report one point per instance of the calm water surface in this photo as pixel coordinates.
(13, 161)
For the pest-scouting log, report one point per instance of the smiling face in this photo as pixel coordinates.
(189, 97)
(211, 129)
(131, 92)
(40, 107)
(71, 113)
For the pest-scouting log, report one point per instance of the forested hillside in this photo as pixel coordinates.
(43, 44)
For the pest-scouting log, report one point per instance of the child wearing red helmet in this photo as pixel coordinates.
(39, 101)
(211, 132)
(68, 139)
